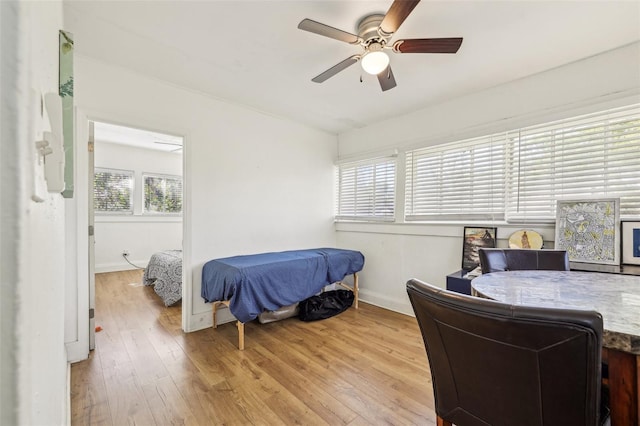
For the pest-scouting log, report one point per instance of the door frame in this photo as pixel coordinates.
(91, 245)
(77, 223)
(76, 249)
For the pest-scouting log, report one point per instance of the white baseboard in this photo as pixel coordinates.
(400, 306)
(205, 319)
(119, 266)
(76, 351)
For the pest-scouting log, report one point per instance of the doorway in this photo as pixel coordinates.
(135, 181)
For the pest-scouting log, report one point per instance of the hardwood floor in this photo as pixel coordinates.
(361, 367)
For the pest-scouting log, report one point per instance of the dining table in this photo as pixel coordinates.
(615, 296)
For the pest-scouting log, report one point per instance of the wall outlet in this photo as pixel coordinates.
(125, 252)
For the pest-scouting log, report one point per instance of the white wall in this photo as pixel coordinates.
(33, 385)
(562, 92)
(116, 233)
(397, 252)
(252, 182)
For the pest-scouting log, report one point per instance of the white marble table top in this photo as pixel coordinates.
(615, 296)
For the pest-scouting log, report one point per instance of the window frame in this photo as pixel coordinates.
(447, 155)
(380, 197)
(627, 119)
(144, 176)
(586, 153)
(131, 174)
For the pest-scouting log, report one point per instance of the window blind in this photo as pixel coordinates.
(584, 157)
(459, 180)
(162, 194)
(366, 190)
(113, 191)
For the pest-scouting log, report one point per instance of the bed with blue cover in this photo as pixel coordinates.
(252, 284)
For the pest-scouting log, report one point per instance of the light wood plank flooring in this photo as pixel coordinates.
(361, 367)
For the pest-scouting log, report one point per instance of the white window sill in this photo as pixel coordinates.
(136, 218)
(441, 229)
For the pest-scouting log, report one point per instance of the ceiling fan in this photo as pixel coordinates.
(374, 35)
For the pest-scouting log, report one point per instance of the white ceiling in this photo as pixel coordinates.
(113, 133)
(251, 52)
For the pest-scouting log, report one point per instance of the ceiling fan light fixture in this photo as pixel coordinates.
(374, 61)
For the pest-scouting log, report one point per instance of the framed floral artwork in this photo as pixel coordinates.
(589, 230)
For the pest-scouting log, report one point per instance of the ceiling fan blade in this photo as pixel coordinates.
(396, 15)
(327, 31)
(336, 69)
(428, 45)
(386, 79)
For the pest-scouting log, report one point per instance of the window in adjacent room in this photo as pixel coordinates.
(113, 191)
(366, 189)
(162, 194)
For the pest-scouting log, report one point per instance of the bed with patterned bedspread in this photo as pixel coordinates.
(164, 272)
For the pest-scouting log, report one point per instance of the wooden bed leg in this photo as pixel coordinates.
(215, 311)
(355, 288)
(241, 336)
(239, 324)
(215, 307)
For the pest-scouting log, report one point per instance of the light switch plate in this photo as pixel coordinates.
(33, 158)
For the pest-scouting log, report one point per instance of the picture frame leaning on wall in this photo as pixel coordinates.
(473, 239)
(589, 230)
(630, 242)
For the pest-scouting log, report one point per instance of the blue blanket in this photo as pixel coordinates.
(268, 281)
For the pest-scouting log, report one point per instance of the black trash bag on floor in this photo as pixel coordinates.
(325, 305)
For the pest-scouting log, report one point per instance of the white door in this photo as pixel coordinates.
(91, 248)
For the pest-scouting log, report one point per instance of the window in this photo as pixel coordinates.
(162, 194)
(366, 190)
(589, 156)
(519, 175)
(461, 180)
(113, 191)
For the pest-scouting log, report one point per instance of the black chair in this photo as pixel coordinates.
(498, 260)
(498, 364)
